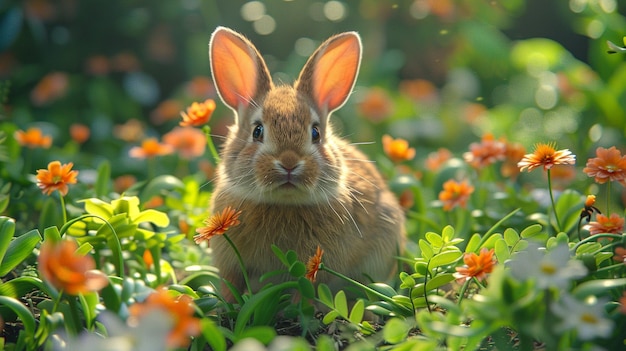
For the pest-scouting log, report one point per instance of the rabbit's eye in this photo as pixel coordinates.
(257, 133)
(315, 134)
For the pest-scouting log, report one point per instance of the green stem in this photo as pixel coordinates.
(463, 289)
(595, 238)
(556, 216)
(495, 226)
(243, 267)
(75, 316)
(63, 210)
(608, 199)
(209, 141)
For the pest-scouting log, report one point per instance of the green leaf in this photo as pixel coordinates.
(306, 288)
(502, 250)
(407, 281)
(155, 217)
(382, 289)
(23, 313)
(213, 335)
(7, 230)
(257, 300)
(447, 234)
(439, 280)
(445, 258)
(395, 331)
(426, 249)
(160, 185)
(18, 250)
(341, 303)
(52, 234)
(104, 177)
(531, 231)
(511, 237)
(358, 310)
(597, 287)
(98, 207)
(325, 295)
(297, 269)
(281, 256)
(434, 239)
(472, 244)
(264, 334)
(330, 317)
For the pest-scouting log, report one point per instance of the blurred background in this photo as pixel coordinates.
(439, 73)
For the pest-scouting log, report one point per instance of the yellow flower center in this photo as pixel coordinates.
(589, 318)
(548, 269)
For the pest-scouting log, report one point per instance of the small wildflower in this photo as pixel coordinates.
(603, 224)
(476, 266)
(147, 258)
(179, 309)
(609, 165)
(620, 254)
(189, 142)
(51, 87)
(376, 105)
(406, 199)
(548, 269)
(33, 138)
(587, 318)
(397, 150)
(123, 182)
(455, 194)
(436, 159)
(198, 114)
(56, 177)
(150, 148)
(67, 271)
(514, 152)
(313, 265)
(79, 132)
(200, 86)
(98, 65)
(165, 111)
(485, 153)
(217, 224)
(419, 89)
(546, 156)
(131, 131)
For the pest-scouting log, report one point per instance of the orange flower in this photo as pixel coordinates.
(217, 224)
(98, 65)
(125, 62)
(51, 87)
(33, 138)
(56, 177)
(418, 89)
(147, 258)
(165, 111)
(610, 165)
(546, 156)
(476, 266)
(179, 308)
(190, 142)
(590, 200)
(486, 152)
(513, 153)
(622, 302)
(406, 199)
(131, 131)
(79, 132)
(150, 148)
(313, 265)
(397, 150)
(198, 113)
(620, 254)
(436, 159)
(603, 224)
(123, 182)
(376, 105)
(67, 271)
(455, 194)
(589, 208)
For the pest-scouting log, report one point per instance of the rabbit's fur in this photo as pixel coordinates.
(296, 184)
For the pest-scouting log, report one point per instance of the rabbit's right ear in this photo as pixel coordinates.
(239, 72)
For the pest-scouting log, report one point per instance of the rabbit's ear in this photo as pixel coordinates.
(239, 72)
(330, 73)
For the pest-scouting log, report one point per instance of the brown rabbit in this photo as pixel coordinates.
(297, 184)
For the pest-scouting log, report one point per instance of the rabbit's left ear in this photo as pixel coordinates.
(330, 73)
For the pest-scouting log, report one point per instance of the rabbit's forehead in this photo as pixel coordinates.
(284, 108)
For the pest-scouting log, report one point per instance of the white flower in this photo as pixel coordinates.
(549, 269)
(586, 318)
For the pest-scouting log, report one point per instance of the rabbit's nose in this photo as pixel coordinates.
(288, 160)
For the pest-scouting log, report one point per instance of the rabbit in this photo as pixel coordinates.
(297, 184)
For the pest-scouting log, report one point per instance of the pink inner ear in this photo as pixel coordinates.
(335, 72)
(234, 69)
